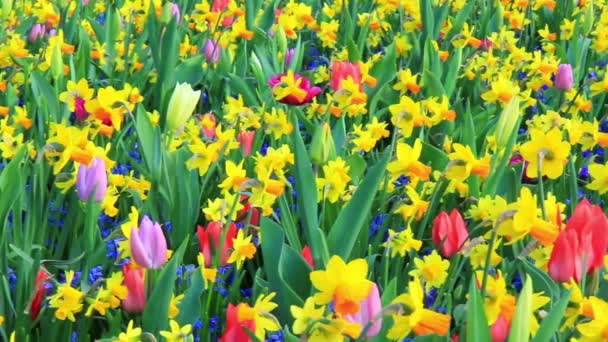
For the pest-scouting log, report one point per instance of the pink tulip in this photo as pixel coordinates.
(175, 12)
(305, 85)
(246, 138)
(289, 57)
(341, 71)
(37, 32)
(500, 329)
(92, 179)
(148, 244)
(212, 51)
(135, 302)
(564, 78)
(370, 308)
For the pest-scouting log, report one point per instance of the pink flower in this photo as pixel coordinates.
(37, 32)
(341, 71)
(212, 51)
(564, 78)
(370, 308)
(92, 179)
(175, 12)
(500, 329)
(289, 57)
(135, 302)
(148, 244)
(246, 138)
(449, 232)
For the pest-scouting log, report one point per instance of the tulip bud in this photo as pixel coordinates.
(181, 105)
(148, 244)
(370, 308)
(588, 19)
(306, 253)
(7, 7)
(246, 138)
(212, 51)
(176, 12)
(37, 32)
(281, 39)
(56, 62)
(449, 232)
(322, 147)
(135, 302)
(289, 57)
(39, 290)
(209, 241)
(563, 77)
(92, 181)
(507, 121)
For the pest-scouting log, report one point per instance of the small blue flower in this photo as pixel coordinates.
(517, 282)
(214, 323)
(247, 292)
(95, 274)
(12, 278)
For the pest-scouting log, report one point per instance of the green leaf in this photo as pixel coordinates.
(477, 322)
(307, 199)
(190, 70)
(384, 71)
(344, 232)
(190, 306)
(45, 95)
(432, 84)
(241, 87)
(157, 305)
(149, 138)
(550, 324)
(520, 327)
(541, 280)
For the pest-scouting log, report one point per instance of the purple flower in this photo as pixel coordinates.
(563, 77)
(212, 51)
(37, 32)
(148, 244)
(92, 178)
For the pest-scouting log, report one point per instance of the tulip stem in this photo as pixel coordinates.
(486, 267)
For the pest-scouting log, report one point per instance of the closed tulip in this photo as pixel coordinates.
(212, 51)
(39, 290)
(370, 308)
(148, 244)
(563, 77)
(181, 105)
(37, 32)
(449, 232)
(237, 319)
(92, 181)
(566, 259)
(135, 302)
(246, 138)
(209, 240)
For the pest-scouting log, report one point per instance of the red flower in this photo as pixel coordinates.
(500, 329)
(304, 84)
(341, 71)
(135, 302)
(449, 232)
(36, 304)
(580, 248)
(237, 319)
(307, 255)
(209, 240)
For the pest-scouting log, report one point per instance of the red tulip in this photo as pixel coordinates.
(135, 302)
(500, 329)
(589, 220)
(580, 248)
(246, 138)
(209, 239)
(341, 71)
(36, 304)
(449, 232)
(247, 209)
(237, 319)
(306, 253)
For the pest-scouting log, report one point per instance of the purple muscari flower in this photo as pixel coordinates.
(92, 178)
(148, 244)
(564, 78)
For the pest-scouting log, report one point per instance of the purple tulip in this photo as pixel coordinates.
(564, 78)
(289, 57)
(175, 12)
(92, 178)
(37, 32)
(212, 51)
(148, 244)
(370, 308)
